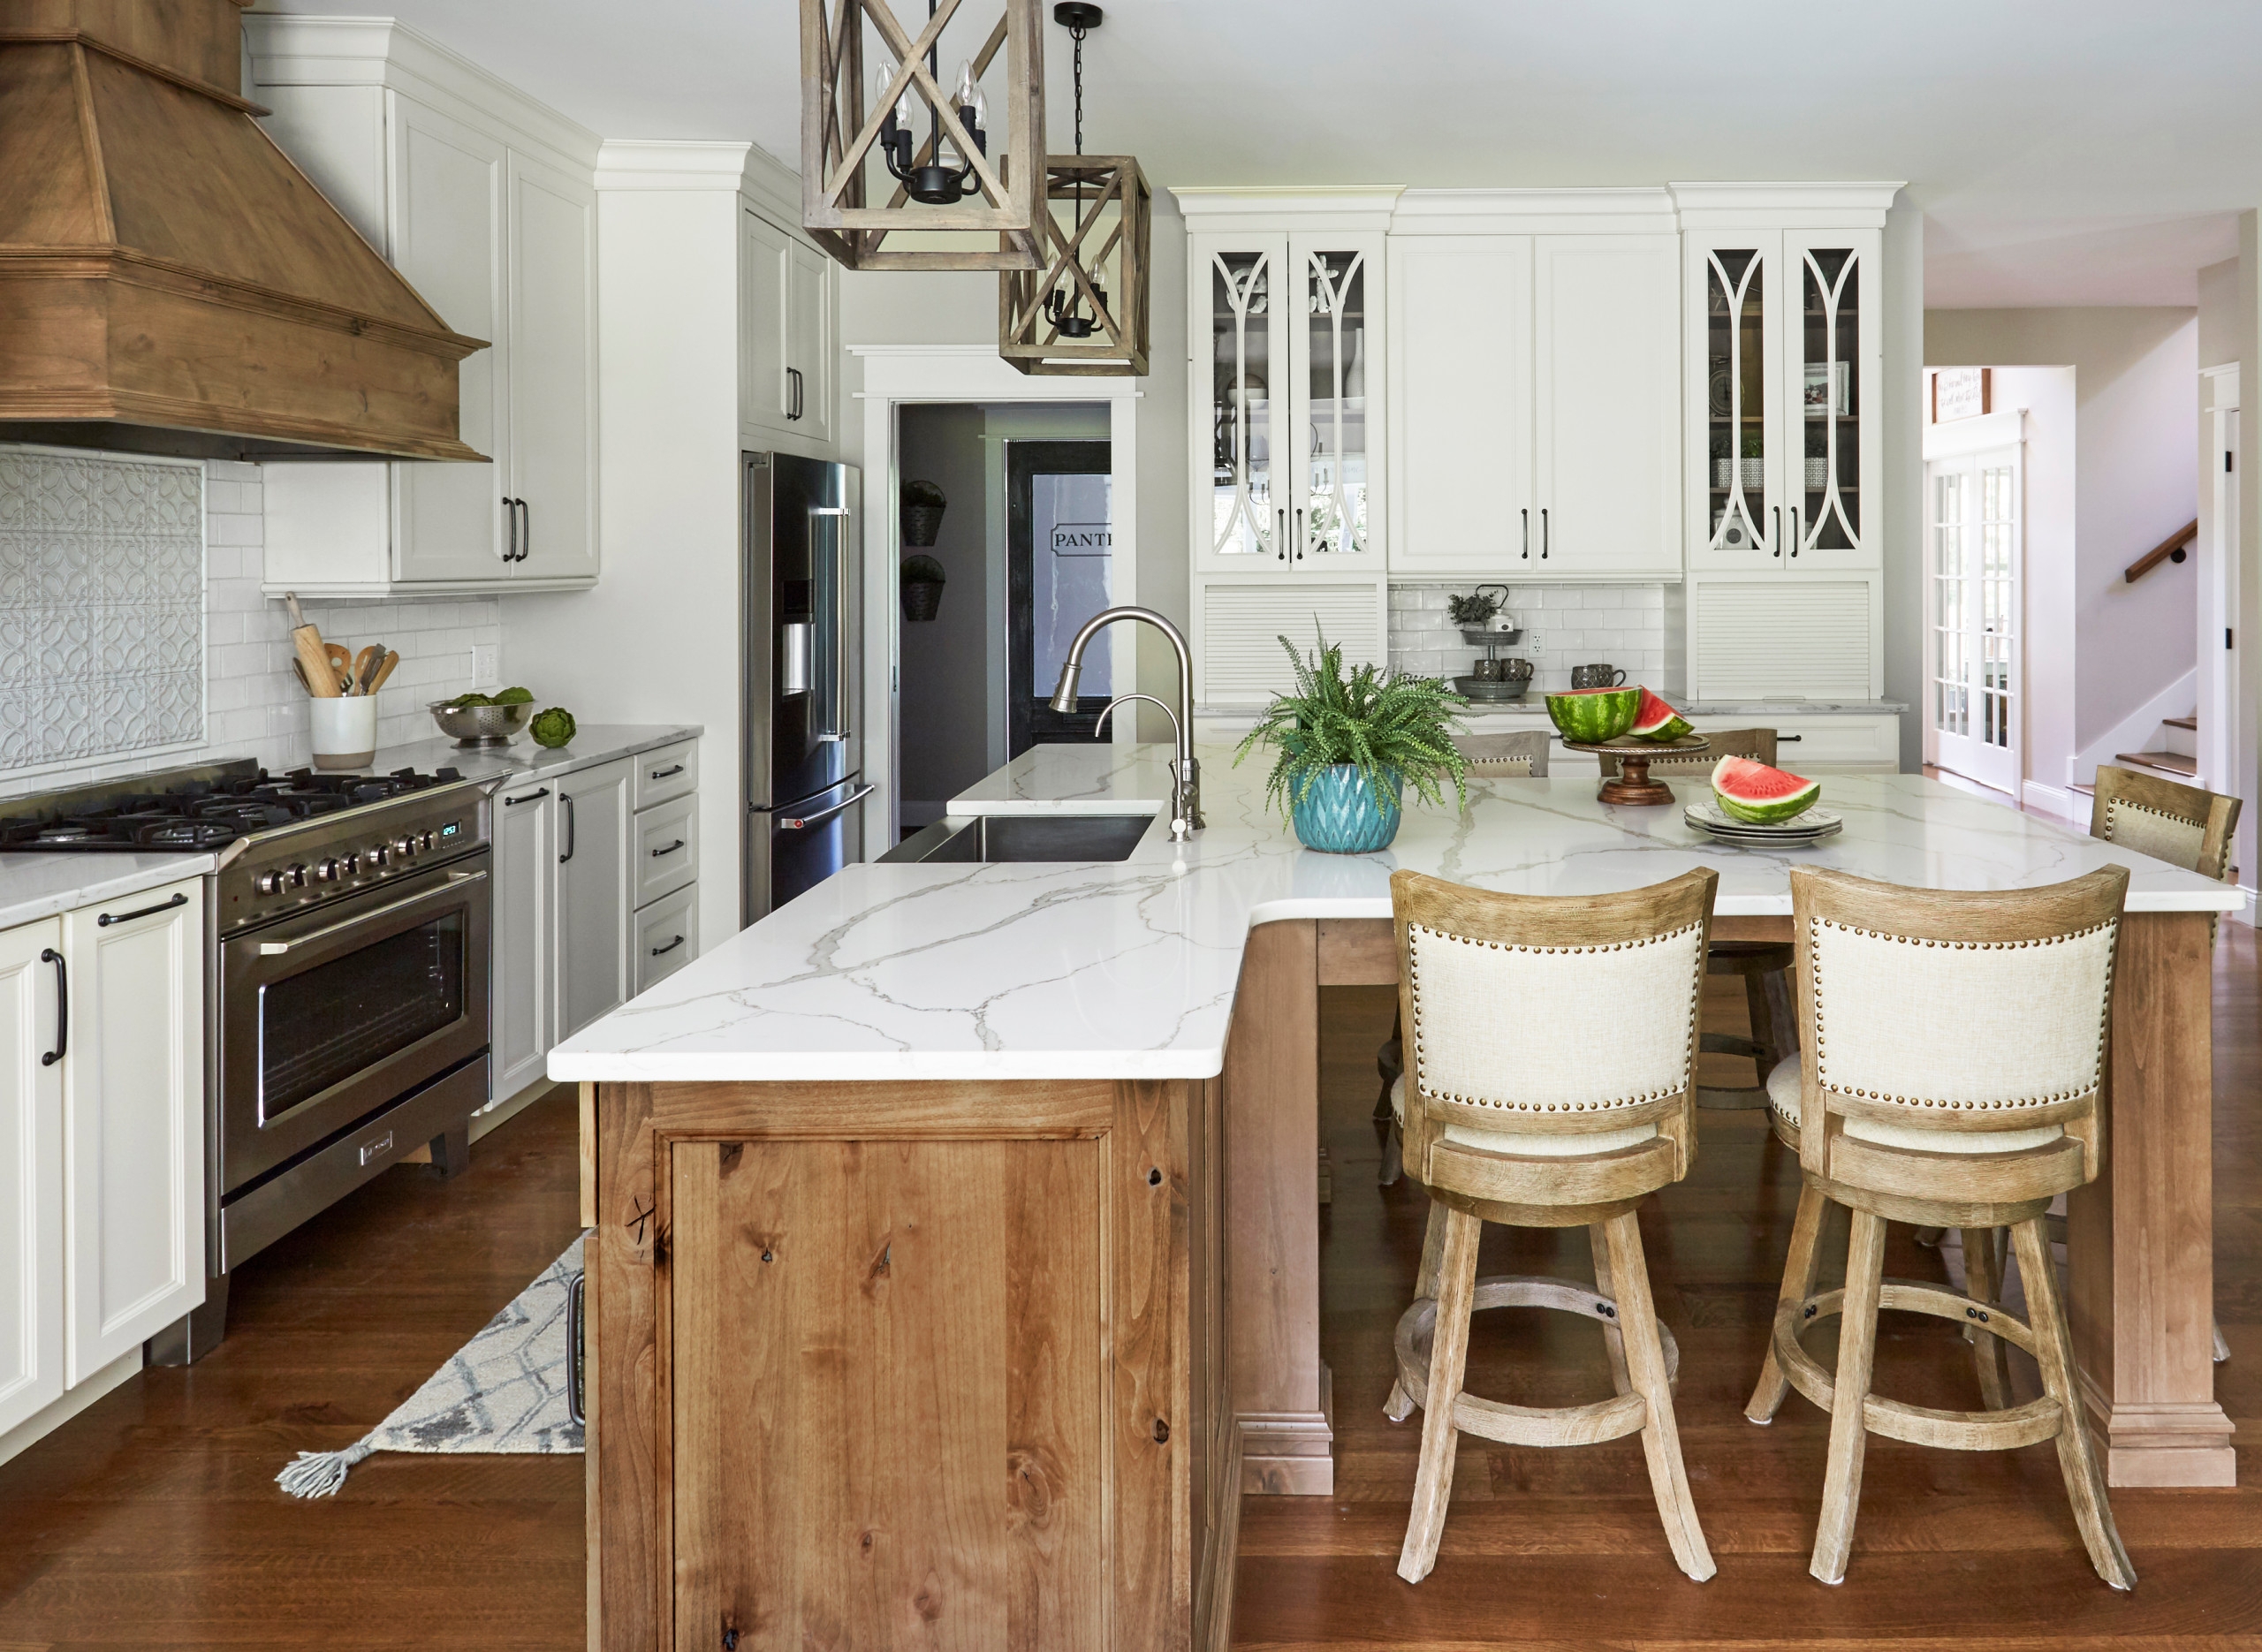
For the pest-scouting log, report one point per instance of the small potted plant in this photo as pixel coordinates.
(923, 503)
(1474, 611)
(1348, 744)
(1754, 460)
(922, 580)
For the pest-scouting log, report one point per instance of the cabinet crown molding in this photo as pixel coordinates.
(289, 50)
(1334, 207)
(1832, 206)
(1534, 211)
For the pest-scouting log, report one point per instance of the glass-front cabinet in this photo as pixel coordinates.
(1295, 332)
(1787, 359)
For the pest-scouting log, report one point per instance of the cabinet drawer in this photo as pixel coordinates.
(667, 848)
(673, 771)
(1844, 743)
(667, 936)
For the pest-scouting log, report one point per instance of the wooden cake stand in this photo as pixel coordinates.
(1632, 783)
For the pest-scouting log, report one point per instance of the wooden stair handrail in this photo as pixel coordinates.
(2170, 547)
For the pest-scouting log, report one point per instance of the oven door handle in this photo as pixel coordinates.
(456, 880)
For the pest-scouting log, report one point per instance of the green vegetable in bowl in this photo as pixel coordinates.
(515, 697)
(474, 699)
(552, 728)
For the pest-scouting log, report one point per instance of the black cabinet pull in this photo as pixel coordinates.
(110, 918)
(1543, 533)
(1781, 740)
(670, 849)
(1527, 533)
(662, 774)
(670, 947)
(528, 797)
(793, 384)
(573, 831)
(49, 955)
(522, 531)
(511, 528)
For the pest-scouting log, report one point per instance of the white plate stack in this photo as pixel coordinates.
(1709, 818)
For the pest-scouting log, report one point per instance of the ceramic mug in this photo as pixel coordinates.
(1492, 671)
(1596, 676)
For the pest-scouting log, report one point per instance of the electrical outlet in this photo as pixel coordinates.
(485, 668)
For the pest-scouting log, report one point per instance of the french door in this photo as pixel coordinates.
(1975, 545)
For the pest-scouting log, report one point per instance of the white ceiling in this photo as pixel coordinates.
(2063, 151)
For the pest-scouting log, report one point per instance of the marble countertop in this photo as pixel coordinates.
(1033, 970)
(35, 886)
(592, 743)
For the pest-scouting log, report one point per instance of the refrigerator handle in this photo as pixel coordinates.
(838, 619)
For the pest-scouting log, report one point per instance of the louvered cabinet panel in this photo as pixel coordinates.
(1239, 659)
(1765, 638)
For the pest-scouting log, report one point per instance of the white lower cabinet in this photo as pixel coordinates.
(594, 870)
(134, 1120)
(102, 1137)
(31, 1174)
(522, 993)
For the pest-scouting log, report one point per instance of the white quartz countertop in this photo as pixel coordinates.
(35, 886)
(592, 743)
(1033, 970)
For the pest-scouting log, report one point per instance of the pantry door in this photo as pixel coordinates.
(1975, 545)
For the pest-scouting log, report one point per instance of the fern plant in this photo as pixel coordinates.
(1380, 723)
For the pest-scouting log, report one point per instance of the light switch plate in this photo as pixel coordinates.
(485, 667)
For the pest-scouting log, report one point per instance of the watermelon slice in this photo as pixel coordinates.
(1658, 720)
(1759, 795)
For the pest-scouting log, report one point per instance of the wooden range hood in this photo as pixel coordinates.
(168, 282)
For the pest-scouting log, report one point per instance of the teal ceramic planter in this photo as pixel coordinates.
(1339, 814)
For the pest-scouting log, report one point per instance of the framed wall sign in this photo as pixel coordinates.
(1961, 393)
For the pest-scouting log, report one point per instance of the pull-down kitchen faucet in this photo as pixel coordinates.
(1185, 773)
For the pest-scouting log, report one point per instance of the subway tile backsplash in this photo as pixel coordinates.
(253, 705)
(1563, 625)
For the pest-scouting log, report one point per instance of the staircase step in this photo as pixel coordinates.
(2166, 762)
(2191, 722)
(2087, 792)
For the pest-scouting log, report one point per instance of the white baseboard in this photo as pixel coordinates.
(496, 1114)
(53, 1415)
(2071, 807)
(2132, 732)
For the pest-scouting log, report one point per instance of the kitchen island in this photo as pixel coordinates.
(1079, 1102)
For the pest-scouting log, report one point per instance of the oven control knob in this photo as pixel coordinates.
(350, 865)
(296, 876)
(269, 883)
(424, 841)
(327, 871)
(404, 846)
(379, 855)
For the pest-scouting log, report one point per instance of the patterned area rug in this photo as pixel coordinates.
(505, 1391)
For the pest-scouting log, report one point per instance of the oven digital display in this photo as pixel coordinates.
(451, 828)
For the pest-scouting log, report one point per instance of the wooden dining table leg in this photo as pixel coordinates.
(2141, 1237)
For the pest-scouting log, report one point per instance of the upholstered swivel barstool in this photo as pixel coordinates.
(1530, 1101)
(1521, 756)
(1954, 1061)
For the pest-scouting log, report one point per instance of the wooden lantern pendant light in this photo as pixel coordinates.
(1084, 311)
(966, 174)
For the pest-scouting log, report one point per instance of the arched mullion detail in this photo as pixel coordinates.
(1831, 293)
(1736, 291)
(1240, 293)
(1333, 294)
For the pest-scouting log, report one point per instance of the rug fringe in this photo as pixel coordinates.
(320, 1473)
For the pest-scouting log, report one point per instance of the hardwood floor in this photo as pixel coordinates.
(1557, 1549)
(153, 1520)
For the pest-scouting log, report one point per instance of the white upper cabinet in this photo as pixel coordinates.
(1785, 378)
(486, 201)
(1287, 404)
(1460, 386)
(785, 335)
(1605, 407)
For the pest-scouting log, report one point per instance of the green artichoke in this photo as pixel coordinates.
(552, 728)
(473, 699)
(515, 697)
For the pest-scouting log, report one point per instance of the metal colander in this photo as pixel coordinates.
(480, 725)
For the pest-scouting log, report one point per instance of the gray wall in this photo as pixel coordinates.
(1904, 475)
(944, 703)
(2137, 430)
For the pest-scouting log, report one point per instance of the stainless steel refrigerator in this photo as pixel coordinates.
(802, 678)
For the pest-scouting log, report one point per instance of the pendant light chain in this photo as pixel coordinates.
(1077, 35)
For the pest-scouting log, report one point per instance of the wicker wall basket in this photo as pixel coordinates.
(921, 524)
(923, 599)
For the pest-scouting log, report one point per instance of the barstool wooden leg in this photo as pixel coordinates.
(1982, 1282)
(1801, 1268)
(1613, 1339)
(1644, 1356)
(1400, 1403)
(1448, 1362)
(2054, 1351)
(1842, 1485)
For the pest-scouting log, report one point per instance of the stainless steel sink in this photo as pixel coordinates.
(988, 838)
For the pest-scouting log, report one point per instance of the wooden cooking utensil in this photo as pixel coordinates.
(341, 666)
(393, 658)
(314, 661)
(364, 663)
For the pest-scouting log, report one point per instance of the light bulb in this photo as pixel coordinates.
(981, 111)
(883, 77)
(966, 90)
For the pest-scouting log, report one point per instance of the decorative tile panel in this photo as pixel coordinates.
(102, 606)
